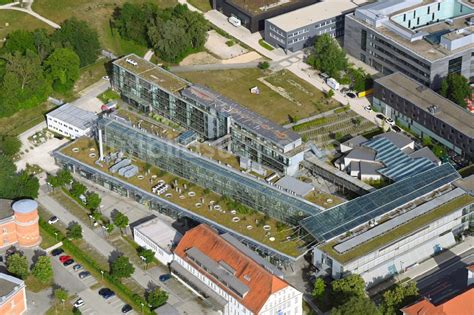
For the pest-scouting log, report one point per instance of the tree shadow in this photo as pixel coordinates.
(114, 255)
(37, 254)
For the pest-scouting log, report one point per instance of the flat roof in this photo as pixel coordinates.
(338, 220)
(152, 73)
(159, 233)
(294, 185)
(423, 97)
(398, 232)
(243, 116)
(261, 5)
(5, 209)
(466, 183)
(73, 115)
(314, 13)
(8, 285)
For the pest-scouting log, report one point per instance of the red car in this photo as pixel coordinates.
(63, 258)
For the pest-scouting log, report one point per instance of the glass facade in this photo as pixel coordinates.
(247, 190)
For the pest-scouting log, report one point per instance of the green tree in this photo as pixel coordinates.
(93, 201)
(131, 21)
(456, 88)
(19, 41)
(43, 270)
(328, 56)
(42, 42)
(81, 38)
(120, 220)
(264, 65)
(329, 94)
(62, 67)
(61, 295)
(399, 296)
(156, 297)
(64, 176)
(74, 231)
(147, 254)
(10, 145)
(77, 189)
(356, 305)
(109, 227)
(352, 285)
(17, 265)
(319, 288)
(15, 184)
(121, 267)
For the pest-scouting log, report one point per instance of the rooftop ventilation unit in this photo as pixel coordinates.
(449, 21)
(132, 62)
(470, 21)
(433, 109)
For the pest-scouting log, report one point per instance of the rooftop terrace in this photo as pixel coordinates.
(151, 73)
(198, 200)
(398, 232)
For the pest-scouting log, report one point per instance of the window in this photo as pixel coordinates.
(363, 40)
(455, 65)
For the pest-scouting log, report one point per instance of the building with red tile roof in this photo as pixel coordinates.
(462, 304)
(236, 283)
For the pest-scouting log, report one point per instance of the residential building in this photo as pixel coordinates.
(389, 156)
(252, 14)
(298, 29)
(159, 237)
(12, 295)
(70, 121)
(215, 269)
(426, 113)
(211, 115)
(393, 228)
(425, 40)
(19, 223)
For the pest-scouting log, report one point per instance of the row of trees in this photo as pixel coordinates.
(172, 32)
(33, 64)
(17, 265)
(14, 184)
(348, 296)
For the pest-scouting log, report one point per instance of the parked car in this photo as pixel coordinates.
(77, 267)
(390, 121)
(63, 258)
(126, 308)
(84, 274)
(68, 262)
(79, 302)
(57, 251)
(380, 116)
(368, 108)
(351, 95)
(396, 128)
(53, 220)
(165, 277)
(106, 293)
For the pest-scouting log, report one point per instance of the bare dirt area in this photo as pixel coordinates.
(200, 58)
(223, 47)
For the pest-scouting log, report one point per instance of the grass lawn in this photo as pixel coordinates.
(34, 285)
(203, 5)
(18, 20)
(295, 97)
(24, 119)
(265, 45)
(59, 308)
(47, 240)
(90, 74)
(108, 95)
(97, 14)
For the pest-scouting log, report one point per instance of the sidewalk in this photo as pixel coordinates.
(427, 265)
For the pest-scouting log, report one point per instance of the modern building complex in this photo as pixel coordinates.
(70, 121)
(425, 113)
(159, 237)
(151, 88)
(214, 268)
(392, 229)
(12, 295)
(389, 156)
(295, 30)
(425, 40)
(252, 13)
(19, 223)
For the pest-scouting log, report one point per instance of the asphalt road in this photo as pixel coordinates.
(447, 279)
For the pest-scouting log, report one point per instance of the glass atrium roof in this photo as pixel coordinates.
(347, 216)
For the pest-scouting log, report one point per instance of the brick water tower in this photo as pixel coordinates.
(26, 221)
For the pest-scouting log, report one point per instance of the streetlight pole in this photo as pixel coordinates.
(102, 273)
(56, 235)
(142, 306)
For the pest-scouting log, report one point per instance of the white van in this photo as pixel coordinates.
(333, 84)
(234, 21)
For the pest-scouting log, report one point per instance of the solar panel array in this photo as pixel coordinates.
(349, 215)
(398, 164)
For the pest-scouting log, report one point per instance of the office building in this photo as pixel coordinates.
(389, 156)
(252, 14)
(232, 281)
(70, 121)
(159, 237)
(392, 229)
(12, 295)
(211, 115)
(298, 29)
(425, 40)
(425, 113)
(19, 223)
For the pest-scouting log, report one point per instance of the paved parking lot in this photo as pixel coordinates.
(94, 304)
